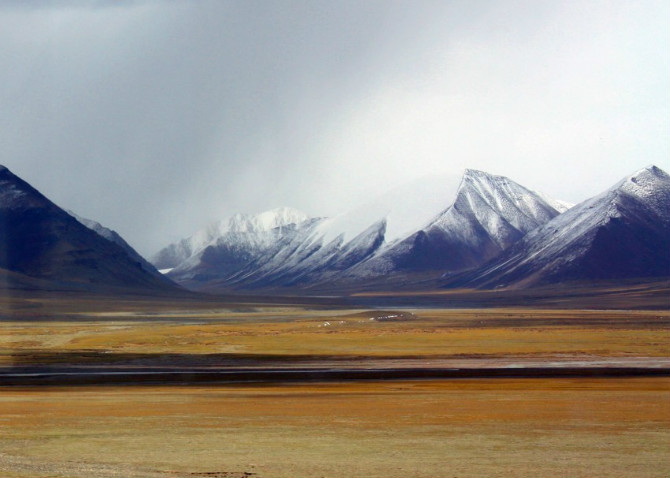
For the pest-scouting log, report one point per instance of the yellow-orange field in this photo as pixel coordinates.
(290, 332)
(582, 427)
(458, 428)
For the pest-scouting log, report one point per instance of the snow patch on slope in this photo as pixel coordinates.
(95, 226)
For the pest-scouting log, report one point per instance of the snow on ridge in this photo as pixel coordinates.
(569, 235)
(262, 222)
(497, 203)
(103, 231)
(405, 209)
(571, 226)
(644, 182)
(508, 185)
(201, 238)
(252, 229)
(463, 208)
(574, 230)
(245, 223)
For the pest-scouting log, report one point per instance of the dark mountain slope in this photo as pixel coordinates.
(40, 240)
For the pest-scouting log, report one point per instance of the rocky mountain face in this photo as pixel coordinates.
(42, 244)
(622, 233)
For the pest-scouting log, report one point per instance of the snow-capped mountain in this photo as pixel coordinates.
(439, 223)
(325, 248)
(222, 248)
(622, 233)
(246, 230)
(42, 246)
(488, 214)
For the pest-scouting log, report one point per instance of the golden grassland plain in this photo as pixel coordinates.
(584, 427)
(289, 332)
(454, 428)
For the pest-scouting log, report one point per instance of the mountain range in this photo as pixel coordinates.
(478, 230)
(404, 231)
(621, 233)
(465, 233)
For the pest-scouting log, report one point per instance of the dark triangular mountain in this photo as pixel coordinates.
(41, 241)
(623, 233)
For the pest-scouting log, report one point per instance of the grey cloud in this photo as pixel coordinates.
(157, 117)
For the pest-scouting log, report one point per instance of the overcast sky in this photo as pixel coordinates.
(157, 117)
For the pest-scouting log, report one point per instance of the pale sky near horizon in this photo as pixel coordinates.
(158, 117)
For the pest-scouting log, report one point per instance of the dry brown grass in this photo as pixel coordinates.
(293, 332)
(474, 428)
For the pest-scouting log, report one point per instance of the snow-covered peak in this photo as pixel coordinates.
(492, 186)
(496, 190)
(262, 222)
(497, 203)
(246, 224)
(620, 233)
(476, 173)
(645, 183)
(650, 184)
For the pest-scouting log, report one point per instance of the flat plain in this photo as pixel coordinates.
(587, 426)
(479, 428)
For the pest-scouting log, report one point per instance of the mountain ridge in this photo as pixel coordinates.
(369, 240)
(489, 213)
(488, 232)
(622, 232)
